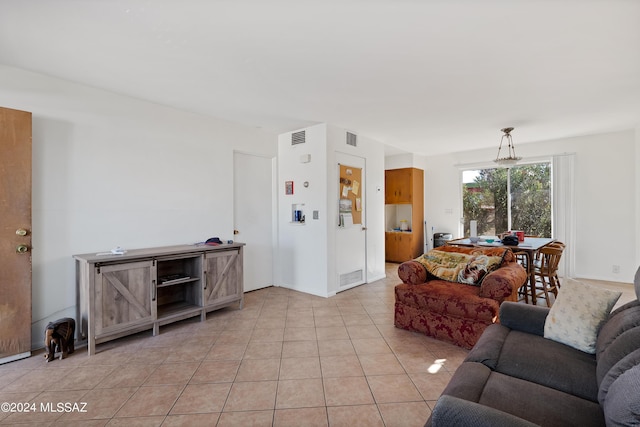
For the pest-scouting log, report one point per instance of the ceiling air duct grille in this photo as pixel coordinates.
(352, 139)
(298, 138)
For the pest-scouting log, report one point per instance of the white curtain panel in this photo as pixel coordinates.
(564, 212)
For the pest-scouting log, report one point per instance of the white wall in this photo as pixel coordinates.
(306, 259)
(303, 247)
(606, 196)
(110, 170)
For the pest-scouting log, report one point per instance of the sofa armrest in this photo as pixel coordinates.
(412, 272)
(453, 411)
(503, 283)
(523, 317)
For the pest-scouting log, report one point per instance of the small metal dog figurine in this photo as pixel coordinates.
(59, 336)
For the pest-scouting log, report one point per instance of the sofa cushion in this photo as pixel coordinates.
(538, 360)
(538, 404)
(578, 313)
(622, 406)
(468, 266)
(452, 411)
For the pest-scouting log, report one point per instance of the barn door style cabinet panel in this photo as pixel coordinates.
(143, 289)
(223, 270)
(123, 297)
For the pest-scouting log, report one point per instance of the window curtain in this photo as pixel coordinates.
(563, 216)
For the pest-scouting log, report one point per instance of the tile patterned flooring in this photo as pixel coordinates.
(286, 359)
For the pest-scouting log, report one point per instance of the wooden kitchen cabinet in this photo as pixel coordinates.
(398, 246)
(405, 187)
(399, 186)
(143, 289)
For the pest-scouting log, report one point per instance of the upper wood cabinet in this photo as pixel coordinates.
(399, 185)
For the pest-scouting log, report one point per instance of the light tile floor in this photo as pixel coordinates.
(286, 359)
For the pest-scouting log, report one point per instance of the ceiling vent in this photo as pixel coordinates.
(352, 139)
(298, 138)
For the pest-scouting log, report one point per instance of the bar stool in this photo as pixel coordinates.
(546, 271)
(524, 291)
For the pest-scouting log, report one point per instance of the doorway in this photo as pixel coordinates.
(351, 236)
(253, 184)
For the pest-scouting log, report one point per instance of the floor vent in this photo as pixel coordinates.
(298, 138)
(355, 277)
(352, 139)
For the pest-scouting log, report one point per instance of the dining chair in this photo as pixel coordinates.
(524, 291)
(546, 271)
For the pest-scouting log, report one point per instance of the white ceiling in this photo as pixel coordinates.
(426, 76)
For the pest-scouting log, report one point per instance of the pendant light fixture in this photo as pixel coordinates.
(511, 159)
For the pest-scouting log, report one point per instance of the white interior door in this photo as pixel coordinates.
(351, 241)
(253, 217)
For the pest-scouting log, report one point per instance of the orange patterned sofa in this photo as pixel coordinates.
(449, 309)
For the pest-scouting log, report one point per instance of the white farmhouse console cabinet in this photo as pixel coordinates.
(120, 295)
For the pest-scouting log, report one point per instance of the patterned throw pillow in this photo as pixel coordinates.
(578, 313)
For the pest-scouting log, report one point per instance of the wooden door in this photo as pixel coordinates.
(125, 296)
(15, 234)
(223, 278)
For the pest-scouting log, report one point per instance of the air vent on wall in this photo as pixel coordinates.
(298, 138)
(352, 139)
(354, 277)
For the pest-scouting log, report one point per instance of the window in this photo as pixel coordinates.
(517, 198)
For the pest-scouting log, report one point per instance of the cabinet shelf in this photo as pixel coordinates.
(179, 281)
(176, 309)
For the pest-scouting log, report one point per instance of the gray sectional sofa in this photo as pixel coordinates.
(516, 377)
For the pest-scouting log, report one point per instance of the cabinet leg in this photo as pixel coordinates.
(156, 329)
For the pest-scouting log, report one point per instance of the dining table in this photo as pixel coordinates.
(530, 246)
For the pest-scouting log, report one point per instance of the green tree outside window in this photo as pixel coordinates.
(486, 200)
